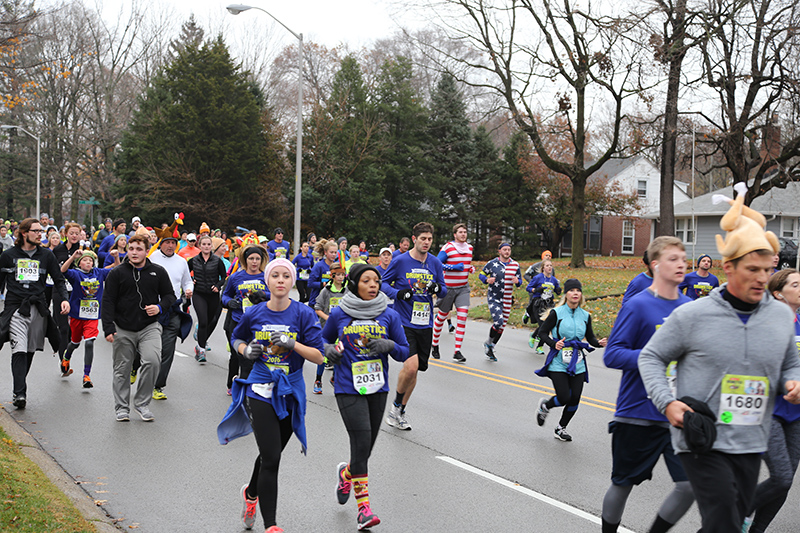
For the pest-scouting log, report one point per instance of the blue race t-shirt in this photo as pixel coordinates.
(637, 285)
(238, 286)
(87, 292)
(359, 371)
(297, 321)
(783, 409)
(697, 286)
(405, 272)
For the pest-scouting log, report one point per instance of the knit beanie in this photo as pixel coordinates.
(277, 263)
(572, 283)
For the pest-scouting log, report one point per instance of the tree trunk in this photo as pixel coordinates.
(578, 216)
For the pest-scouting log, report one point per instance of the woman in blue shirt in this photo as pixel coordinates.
(279, 335)
(304, 262)
(565, 364)
(368, 332)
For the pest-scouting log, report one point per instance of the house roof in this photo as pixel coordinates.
(779, 202)
(612, 167)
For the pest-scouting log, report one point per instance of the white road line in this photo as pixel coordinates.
(528, 492)
(180, 354)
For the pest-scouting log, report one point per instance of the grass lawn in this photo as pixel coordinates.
(30, 502)
(604, 278)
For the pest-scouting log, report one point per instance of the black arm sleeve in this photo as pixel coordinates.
(545, 329)
(108, 307)
(590, 337)
(222, 275)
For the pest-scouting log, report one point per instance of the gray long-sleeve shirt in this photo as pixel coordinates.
(709, 341)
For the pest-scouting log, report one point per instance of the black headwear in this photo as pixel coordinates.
(356, 271)
(572, 283)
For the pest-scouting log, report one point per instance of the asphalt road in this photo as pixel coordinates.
(475, 459)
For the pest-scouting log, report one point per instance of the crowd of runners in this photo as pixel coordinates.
(711, 405)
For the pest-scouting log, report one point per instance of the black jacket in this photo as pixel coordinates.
(24, 294)
(63, 253)
(207, 274)
(128, 290)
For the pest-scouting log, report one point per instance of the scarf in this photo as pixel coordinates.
(363, 309)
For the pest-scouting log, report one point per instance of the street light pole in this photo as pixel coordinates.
(38, 166)
(235, 9)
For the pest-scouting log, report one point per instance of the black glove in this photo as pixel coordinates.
(332, 355)
(282, 339)
(377, 346)
(233, 303)
(253, 350)
(256, 297)
(434, 288)
(404, 294)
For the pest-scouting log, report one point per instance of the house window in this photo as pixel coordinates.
(789, 227)
(628, 232)
(684, 230)
(641, 189)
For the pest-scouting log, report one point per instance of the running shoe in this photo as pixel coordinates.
(450, 327)
(366, 519)
(459, 358)
(208, 347)
(532, 341)
(487, 347)
(20, 401)
(343, 485)
(134, 371)
(318, 387)
(229, 392)
(562, 435)
(123, 416)
(435, 352)
(397, 419)
(525, 318)
(145, 413)
(249, 510)
(273, 529)
(158, 394)
(490, 352)
(65, 369)
(199, 354)
(87, 382)
(541, 414)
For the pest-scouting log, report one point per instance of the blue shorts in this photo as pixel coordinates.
(635, 451)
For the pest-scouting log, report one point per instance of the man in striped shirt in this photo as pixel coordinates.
(456, 258)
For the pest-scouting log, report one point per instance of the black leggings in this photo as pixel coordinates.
(362, 417)
(302, 289)
(568, 394)
(272, 435)
(206, 305)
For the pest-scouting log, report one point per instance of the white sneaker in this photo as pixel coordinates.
(397, 419)
(144, 412)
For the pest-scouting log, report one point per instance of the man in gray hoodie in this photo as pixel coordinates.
(735, 351)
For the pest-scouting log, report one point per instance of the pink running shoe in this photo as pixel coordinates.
(343, 486)
(249, 510)
(366, 519)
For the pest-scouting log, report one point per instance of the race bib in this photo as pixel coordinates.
(368, 376)
(27, 270)
(280, 253)
(262, 389)
(89, 310)
(335, 302)
(246, 303)
(672, 375)
(304, 274)
(566, 355)
(547, 294)
(283, 367)
(743, 399)
(421, 314)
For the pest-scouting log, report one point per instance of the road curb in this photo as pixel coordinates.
(63, 481)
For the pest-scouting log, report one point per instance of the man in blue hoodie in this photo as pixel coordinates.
(640, 433)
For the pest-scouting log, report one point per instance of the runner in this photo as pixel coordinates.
(566, 364)
(304, 262)
(63, 252)
(118, 228)
(191, 249)
(174, 321)
(277, 247)
(640, 282)
(536, 268)
(320, 273)
(354, 257)
(724, 369)
(701, 282)
(121, 245)
(411, 280)
(456, 258)
(243, 290)
(342, 243)
(209, 276)
(25, 320)
(502, 275)
(542, 287)
(403, 246)
(87, 292)
(384, 258)
(281, 334)
(135, 294)
(783, 451)
(640, 433)
(328, 300)
(367, 333)
(362, 251)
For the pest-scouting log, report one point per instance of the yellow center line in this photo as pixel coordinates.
(520, 384)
